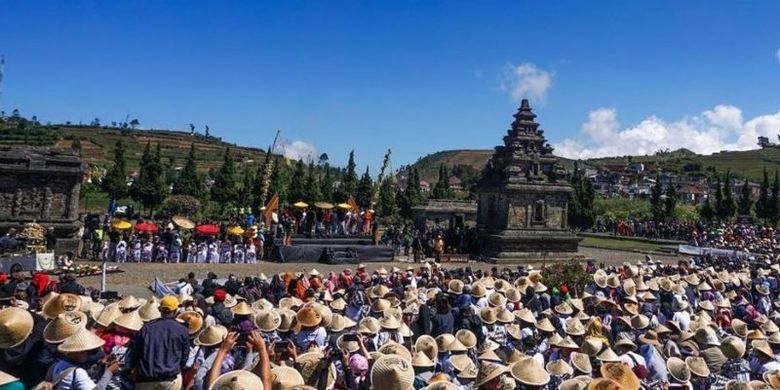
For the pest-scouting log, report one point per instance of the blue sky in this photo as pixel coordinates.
(607, 77)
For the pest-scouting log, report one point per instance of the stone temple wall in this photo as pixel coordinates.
(41, 185)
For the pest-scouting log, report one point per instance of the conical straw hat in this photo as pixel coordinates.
(489, 371)
(392, 372)
(262, 304)
(528, 372)
(559, 367)
(237, 380)
(393, 348)
(467, 338)
(149, 311)
(108, 315)
(284, 377)
(59, 304)
(81, 341)
(131, 303)
(288, 317)
(15, 326)
(421, 360)
(242, 309)
(308, 316)
(193, 319)
(622, 374)
(427, 345)
(64, 326)
(130, 320)
(268, 320)
(90, 307)
(211, 336)
(678, 369)
(349, 346)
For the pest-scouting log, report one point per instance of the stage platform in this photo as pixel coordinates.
(332, 250)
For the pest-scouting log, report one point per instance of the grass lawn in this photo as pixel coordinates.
(614, 243)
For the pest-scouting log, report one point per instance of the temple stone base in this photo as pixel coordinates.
(522, 246)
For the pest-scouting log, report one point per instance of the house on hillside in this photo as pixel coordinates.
(455, 183)
(425, 186)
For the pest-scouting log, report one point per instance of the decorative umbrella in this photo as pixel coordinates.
(146, 227)
(121, 224)
(183, 222)
(235, 230)
(323, 205)
(301, 205)
(207, 229)
(344, 206)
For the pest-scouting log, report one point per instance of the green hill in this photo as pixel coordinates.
(748, 163)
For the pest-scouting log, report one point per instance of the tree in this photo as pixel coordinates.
(224, 189)
(149, 189)
(134, 123)
(208, 131)
(718, 206)
(671, 201)
(189, 182)
(246, 197)
(706, 211)
(180, 205)
(411, 196)
(349, 181)
(762, 204)
(745, 203)
(729, 206)
(297, 187)
(312, 185)
(280, 179)
(656, 200)
(387, 201)
(773, 201)
(581, 214)
(441, 190)
(365, 190)
(192, 129)
(323, 160)
(95, 122)
(326, 184)
(115, 181)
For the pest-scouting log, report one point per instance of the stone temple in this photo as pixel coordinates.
(523, 198)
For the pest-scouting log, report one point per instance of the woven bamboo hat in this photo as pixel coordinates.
(211, 336)
(393, 348)
(369, 325)
(392, 372)
(242, 309)
(284, 377)
(404, 331)
(150, 310)
(340, 322)
(545, 325)
(529, 372)
(64, 326)
(349, 346)
(427, 345)
(262, 304)
(455, 287)
(131, 303)
(678, 369)
(697, 366)
(559, 367)
(391, 323)
(338, 304)
(604, 384)
(288, 318)
(489, 371)
(441, 385)
(581, 362)
(16, 325)
(732, 347)
(324, 311)
(467, 338)
(592, 346)
(108, 315)
(130, 320)
(268, 320)
(622, 374)
(237, 380)
(60, 303)
(421, 360)
(574, 384)
(470, 371)
(309, 363)
(608, 356)
(192, 319)
(574, 327)
(81, 341)
(443, 341)
(488, 315)
(308, 317)
(90, 307)
(289, 303)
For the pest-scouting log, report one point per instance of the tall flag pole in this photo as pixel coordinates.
(2, 71)
(269, 168)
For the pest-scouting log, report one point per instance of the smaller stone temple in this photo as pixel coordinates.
(446, 213)
(40, 184)
(523, 198)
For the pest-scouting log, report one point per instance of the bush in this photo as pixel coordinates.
(570, 273)
(180, 205)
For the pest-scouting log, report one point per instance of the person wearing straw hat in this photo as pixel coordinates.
(161, 350)
(701, 377)
(207, 342)
(311, 332)
(71, 370)
(736, 367)
(260, 378)
(22, 347)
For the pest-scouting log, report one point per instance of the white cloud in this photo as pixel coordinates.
(526, 81)
(777, 54)
(297, 150)
(720, 128)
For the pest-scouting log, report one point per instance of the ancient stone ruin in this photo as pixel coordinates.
(39, 184)
(521, 214)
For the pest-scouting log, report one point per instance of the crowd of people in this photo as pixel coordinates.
(707, 323)
(753, 239)
(680, 231)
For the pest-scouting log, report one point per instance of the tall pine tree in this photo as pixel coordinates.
(150, 189)
(313, 192)
(657, 207)
(773, 201)
(224, 191)
(189, 182)
(115, 181)
(387, 203)
(580, 209)
(441, 190)
(246, 197)
(365, 190)
(326, 184)
(297, 187)
(349, 181)
(745, 203)
(412, 194)
(729, 206)
(762, 204)
(280, 180)
(718, 206)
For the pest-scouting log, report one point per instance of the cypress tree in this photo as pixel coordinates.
(745, 199)
(387, 202)
(150, 189)
(224, 191)
(115, 181)
(729, 206)
(349, 180)
(365, 190)
(313, 192)
(189, 182)
(297, 187)
(671, 201)
(706, 211)
(718, 206)
(656, 201)
(762, 204)
(326, 184)
(280, 179)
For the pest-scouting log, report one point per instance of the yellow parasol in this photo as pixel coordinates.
(121, 224)
(301, 205)
(183, 222)
(344, 206)
(324, 205)
(235, 230)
